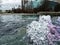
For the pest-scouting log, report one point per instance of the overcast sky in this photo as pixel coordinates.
(11, 1)
(9, 4)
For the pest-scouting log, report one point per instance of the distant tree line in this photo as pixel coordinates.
(47, 6)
